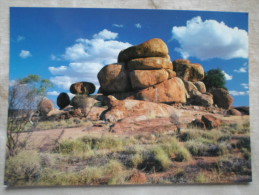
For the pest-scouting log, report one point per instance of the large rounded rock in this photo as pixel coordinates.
(211, 121)
(222, 98)
(169, 91)
(82, 88)
(82, 101)
(200, 86)
(188, 71)
(202, 100)
(151, 63)
(234, 112)
(151, 48)
(114, 78)
(141, 79)
(171, 73)
(190, 87)
(45, 107)
(63, 100)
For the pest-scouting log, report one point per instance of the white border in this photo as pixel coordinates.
(250, 6)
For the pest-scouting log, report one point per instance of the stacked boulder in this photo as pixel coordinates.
(143, 72)
(192, 75)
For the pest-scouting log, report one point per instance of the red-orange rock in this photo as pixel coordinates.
(114, 78)
(141, 79)
(211, 121)
(200, 86)
(169, 91)
(45, 106)
(82, 88)
(151, 48)
(150, 63)
(222, 98)
(234, 112)
(138, 178)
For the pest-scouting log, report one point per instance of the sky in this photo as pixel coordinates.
(67, 45)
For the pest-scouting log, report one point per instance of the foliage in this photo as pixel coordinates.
(24, 97)
(215, 78)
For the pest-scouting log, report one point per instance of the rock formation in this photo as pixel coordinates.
(63, 100)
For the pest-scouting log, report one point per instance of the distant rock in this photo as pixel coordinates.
(45, 106)
(200, 86)
(203, 99)
(188, 71)
(211, 122)
(222, 98)
(141, 79)
(114, 78)
(243, 109)
(168, 91)
(197, 123)
(234, 112)
(82, 88)
(63, 100)
(151, 48)
(150, 63)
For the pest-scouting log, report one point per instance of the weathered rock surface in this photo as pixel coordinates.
(83, 102)
(82, 88)
(205, 99)
(222, 98)
(168, 91)
(171, 73)
(234, 112)
(243, 109)
(190, 87)
(200, 86)
(120, 109)
(45, 106)
(63, 100)
(150, 63)
(141, 79)
(96, 113)
(211, 121)
(114, 78)
(188, 71)
(151, 48)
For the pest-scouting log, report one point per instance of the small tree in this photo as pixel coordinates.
(24, 97)
(215, 78)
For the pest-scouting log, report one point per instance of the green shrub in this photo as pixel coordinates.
(196, 148)
(72, 146)
(23, 168)
(200, 178)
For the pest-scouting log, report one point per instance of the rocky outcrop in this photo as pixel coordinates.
(120, 109)
(202, 99)
(169, 91)
(114, 78)
(200, 86)
(151, 48)
(63, 100)
(45, 106)
(150, 63)
(233, 112)
(188, 71)
(141, 79)
(210, 121)
(243, 109)
(84, 88)
(83, 102)
(222, 98)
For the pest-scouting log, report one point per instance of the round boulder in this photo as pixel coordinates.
(82, 101)
(63, 100)
(222, 98)
(200, 86)
(151, 48)
(234, 112)
(188, 71)
(114, 78)
(82, 88)
(141, 79)
(45, 106)
(151, 63)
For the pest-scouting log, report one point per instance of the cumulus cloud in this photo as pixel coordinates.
(210, 39)
(245, 85)
(242, 69)
(118, 25)
(239, 93)
(86, 57)
(53, 93)
(227, 76)
(54, 57)
(138, 25)
(105, 34)
(25, 54)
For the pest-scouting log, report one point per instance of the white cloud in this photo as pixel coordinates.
(239, 93)
(20, 38)
(138, 25)
(245, 85)
(210, 39)
(25, 54)
(54, 57)
(118, 25)
(227, 76)
(53, 93)
(87, 57)
(105, 34)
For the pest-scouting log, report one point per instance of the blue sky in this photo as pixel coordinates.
(67, 45)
